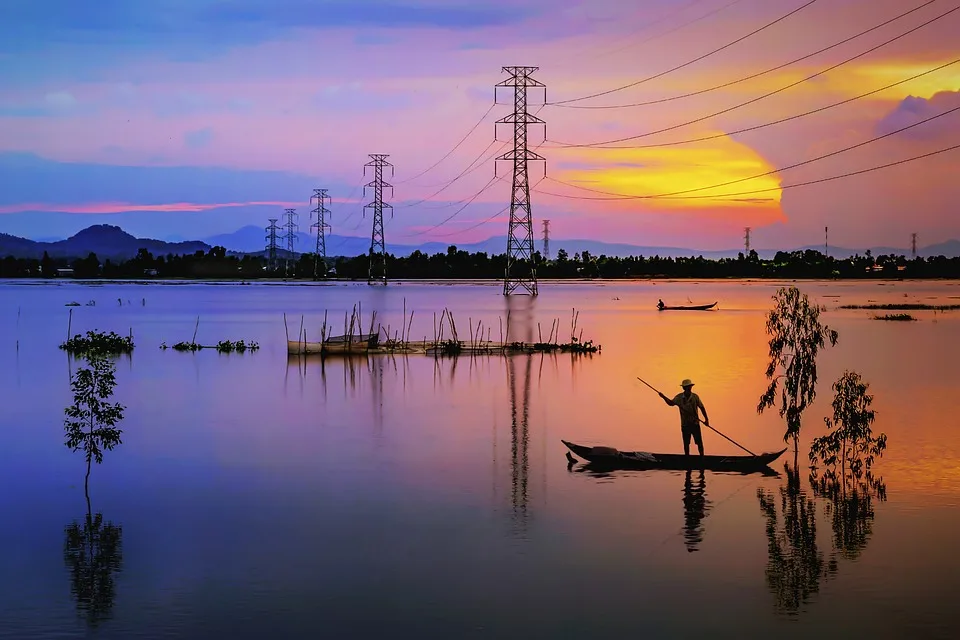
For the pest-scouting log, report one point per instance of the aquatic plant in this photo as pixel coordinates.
(896, 317)
(850, 443)
(225, 346)
(98, 342)
(91, 420)
(796, 337)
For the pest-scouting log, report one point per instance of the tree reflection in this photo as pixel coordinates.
(850, 507)
(92, 551)
(695, 506)
(795, 566)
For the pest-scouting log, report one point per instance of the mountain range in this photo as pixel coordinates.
(112, 242)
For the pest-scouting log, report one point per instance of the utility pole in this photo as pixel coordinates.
(826, 242)
(913, 245)
(271, 238)
(378, 250)
(291, 234)
(320, 257)
(520, 232)
(746, 241)
(546, 239)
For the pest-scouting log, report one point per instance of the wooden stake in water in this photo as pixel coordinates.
(286, 331)
(195, 328)
(69, 321)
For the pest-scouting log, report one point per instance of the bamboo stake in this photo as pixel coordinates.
(195, 328)
(539, 334)
(424, 339)
(286, 331)
(69, 322)
(300, 335)
(323, 331)
(18, 329)
(470, 324)
(409, 325)
(500, 319)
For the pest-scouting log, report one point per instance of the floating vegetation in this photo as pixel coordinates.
(72, 304)
(896, 317)
(98, 342)
(224, 346)
(903, 307)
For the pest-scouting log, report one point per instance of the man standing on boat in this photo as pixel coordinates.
(689, 403)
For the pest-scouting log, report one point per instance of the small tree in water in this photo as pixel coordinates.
(850, 443)
(91, 421)
(796, 337)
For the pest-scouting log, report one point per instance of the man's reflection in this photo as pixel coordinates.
(694, 509)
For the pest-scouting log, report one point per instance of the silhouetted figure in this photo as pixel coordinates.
(660, 305)
(689, 403)
(694, 510)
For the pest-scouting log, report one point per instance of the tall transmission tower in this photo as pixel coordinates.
(378, 249)
(271, 238)
(546, 239)
(520, 232)
(291, 234)
(826, 242)
(746, 240)
(913, 245)
(321, 225)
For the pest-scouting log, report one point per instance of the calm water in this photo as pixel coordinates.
(406, 497)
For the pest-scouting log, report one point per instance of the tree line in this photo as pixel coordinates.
(455, 263)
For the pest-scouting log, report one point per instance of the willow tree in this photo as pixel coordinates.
(796, 338)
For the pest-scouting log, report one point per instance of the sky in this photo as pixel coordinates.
(182, 119)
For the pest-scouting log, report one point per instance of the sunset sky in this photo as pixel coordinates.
(188, 118)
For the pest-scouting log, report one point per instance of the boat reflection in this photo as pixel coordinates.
(92, 551)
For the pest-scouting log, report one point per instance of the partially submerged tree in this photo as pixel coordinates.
(850, 443)
(91, 421)
(796, 338)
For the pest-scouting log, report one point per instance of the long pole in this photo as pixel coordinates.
(701, 421)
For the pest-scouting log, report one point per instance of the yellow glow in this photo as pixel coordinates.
(869, 76)
(672, 169)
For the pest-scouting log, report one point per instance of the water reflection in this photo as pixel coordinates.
(850, 507)
(695, 507)
(795, 565)
(519, 434)
(92, 551)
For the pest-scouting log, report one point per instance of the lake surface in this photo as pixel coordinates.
(259, 496)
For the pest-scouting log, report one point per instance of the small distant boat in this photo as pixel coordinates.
(347, 344)
(608, 457)
(695, 307)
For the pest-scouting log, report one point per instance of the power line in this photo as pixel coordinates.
(774, 122)
(685, 64)
(467, 203)
(798, 184)
(457, 146)
(761, 97)
(745, 78)
(647, 26)
(463, 173)
(620, 196)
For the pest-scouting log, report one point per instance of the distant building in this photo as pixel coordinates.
(149, 272)
(64, 273)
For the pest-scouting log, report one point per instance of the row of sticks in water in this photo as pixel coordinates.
(400, 339)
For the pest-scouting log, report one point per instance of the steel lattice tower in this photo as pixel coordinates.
(520, 233)
(321, 225)
(826, 242)
(913, 245)
(546, 239)
(746, 240)
(378, 249)
(291, 234)
(271, 239)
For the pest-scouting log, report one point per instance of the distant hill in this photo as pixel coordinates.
(109, 241)
(105, 240)
(251, 239)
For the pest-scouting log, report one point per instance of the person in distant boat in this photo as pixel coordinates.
(660, 305)
(689, 403)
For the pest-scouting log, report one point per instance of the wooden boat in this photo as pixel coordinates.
(609, 457)
(361, 343)
(694, 307)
